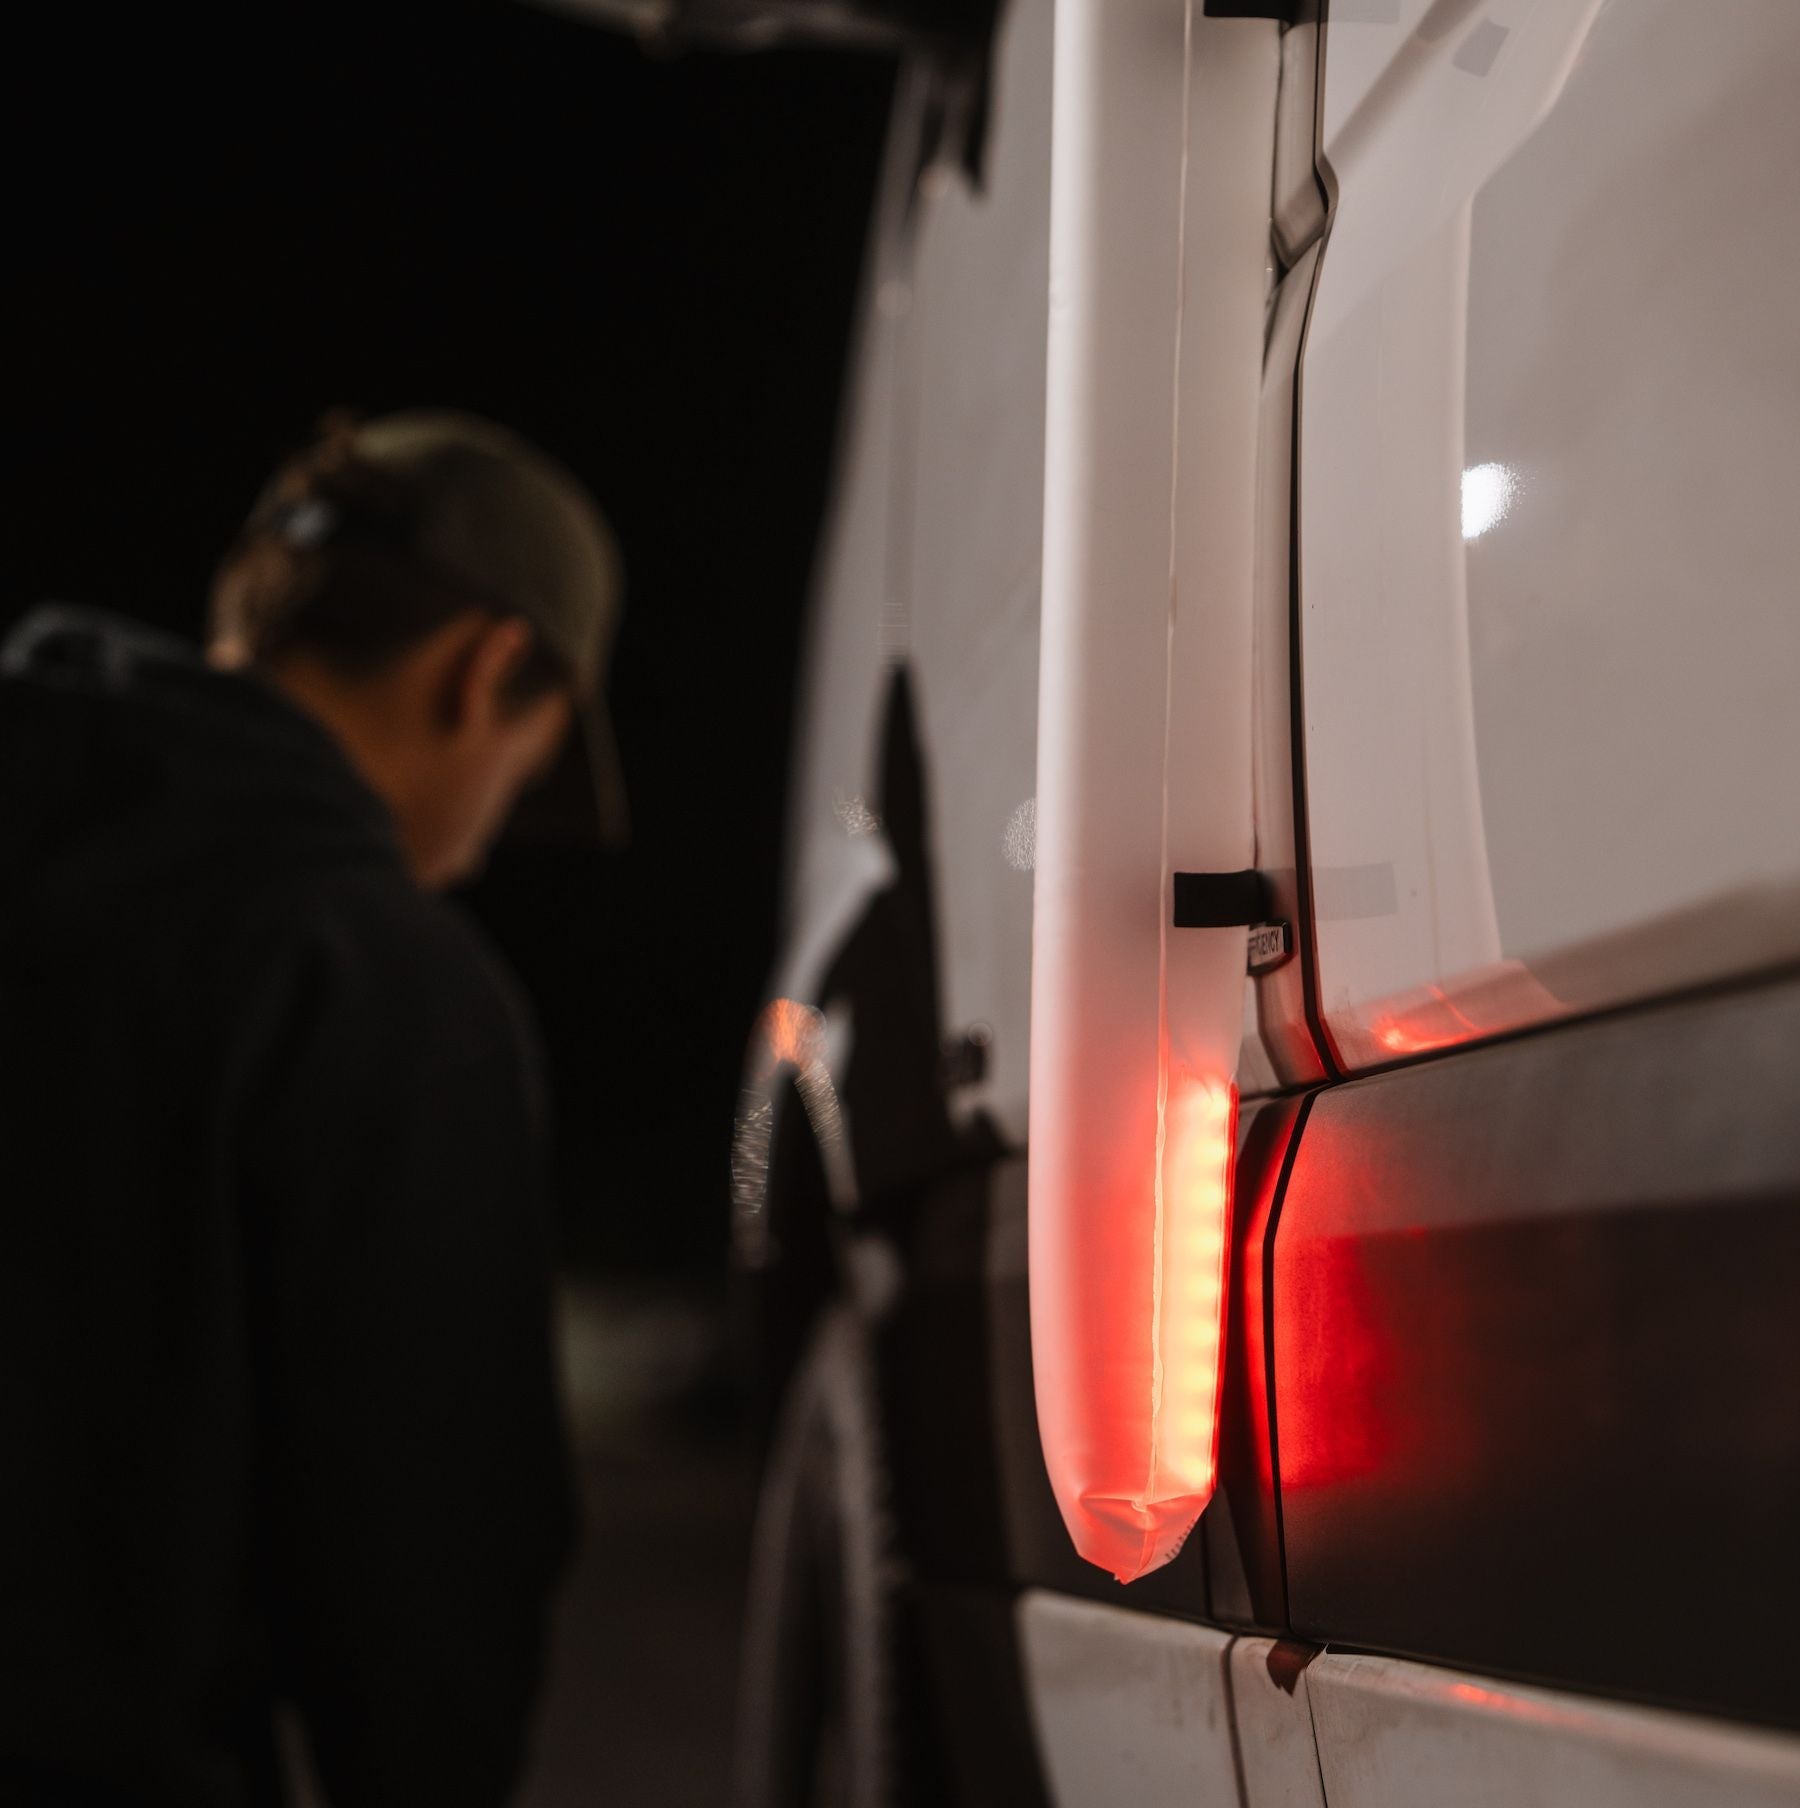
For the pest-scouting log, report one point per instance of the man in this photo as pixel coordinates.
(278, 1414)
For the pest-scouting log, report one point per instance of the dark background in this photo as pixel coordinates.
(223, 224)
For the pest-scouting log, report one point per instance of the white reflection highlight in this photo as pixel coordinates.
(789, 1037)
(1488, 494)
(855, 817)
(1019, 843)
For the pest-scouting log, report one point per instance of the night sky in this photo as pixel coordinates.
(224, 224)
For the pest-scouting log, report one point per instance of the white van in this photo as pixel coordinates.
(1315, 547)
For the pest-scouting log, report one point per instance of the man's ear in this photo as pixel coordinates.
(493, 653)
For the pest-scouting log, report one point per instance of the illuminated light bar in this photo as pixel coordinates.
(1200, 1132)
(1160, 148)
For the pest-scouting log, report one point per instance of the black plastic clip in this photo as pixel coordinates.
(1283, 12)
(1220, 900)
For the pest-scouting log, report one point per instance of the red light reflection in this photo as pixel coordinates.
(1432, 1023)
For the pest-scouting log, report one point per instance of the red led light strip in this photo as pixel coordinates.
(1193, 1230)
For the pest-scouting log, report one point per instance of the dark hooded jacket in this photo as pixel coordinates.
(278, 1420)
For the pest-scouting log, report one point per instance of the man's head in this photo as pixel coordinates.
(443, 597)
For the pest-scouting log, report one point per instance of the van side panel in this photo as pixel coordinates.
(1534, 1336)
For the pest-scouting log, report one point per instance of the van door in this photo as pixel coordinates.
(1533, 1276)
(1550, 421)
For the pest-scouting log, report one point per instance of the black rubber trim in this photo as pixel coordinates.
(1270, 1231)
(1306, 938)
(1283, 12)
(1220, 900)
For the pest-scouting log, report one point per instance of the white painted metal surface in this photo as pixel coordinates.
(1403, 1735)
(980, 308)
(1551, 421)
(1273, 1711)
(932, 555)
(1130, 1711)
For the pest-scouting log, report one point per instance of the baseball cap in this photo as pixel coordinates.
(480, 506)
